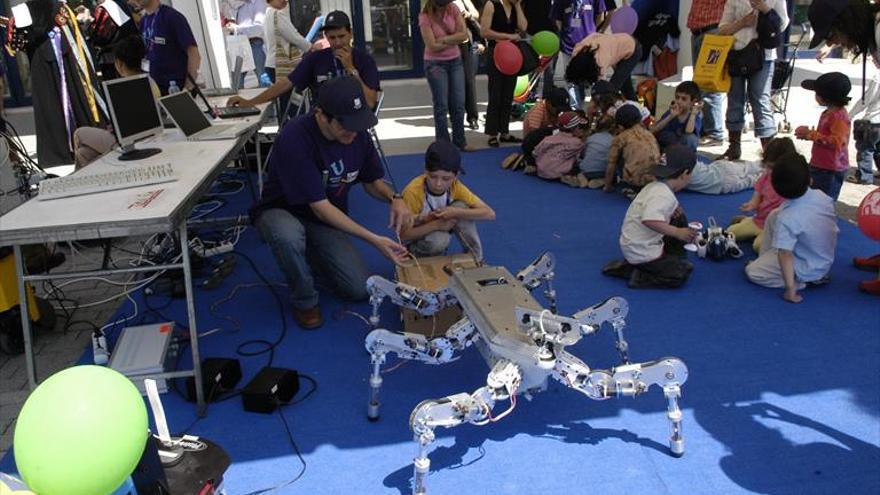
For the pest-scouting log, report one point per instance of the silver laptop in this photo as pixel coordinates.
(236, 82)
(195, 125)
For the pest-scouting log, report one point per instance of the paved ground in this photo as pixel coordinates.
(406, 127)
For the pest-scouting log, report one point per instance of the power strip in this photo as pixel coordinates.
(221, 248)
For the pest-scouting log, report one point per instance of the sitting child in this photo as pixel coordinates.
(635, 147)
(442, 205)
(556, 155)
(605, 100)
(683, 122)
(800, 236)
(540, 122)
(595, 157)
(764, 200)
(546, 111)
(655, 228)
(829, 159)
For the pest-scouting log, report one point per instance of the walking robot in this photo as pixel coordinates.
(523, 344)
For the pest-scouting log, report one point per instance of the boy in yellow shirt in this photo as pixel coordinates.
(443, 206)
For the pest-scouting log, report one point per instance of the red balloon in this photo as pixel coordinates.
(869, 215)
(508, 58)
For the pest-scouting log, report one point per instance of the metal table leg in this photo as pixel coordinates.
(31, 368)
(191, 314)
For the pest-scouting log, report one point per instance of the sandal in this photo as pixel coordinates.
(493, 141)
(510, 138)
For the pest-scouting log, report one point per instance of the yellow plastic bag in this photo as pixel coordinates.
(709, 72)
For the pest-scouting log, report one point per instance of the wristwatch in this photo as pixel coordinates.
(353, 72)
(396, 196)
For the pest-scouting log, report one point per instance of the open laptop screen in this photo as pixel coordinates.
(185, 113)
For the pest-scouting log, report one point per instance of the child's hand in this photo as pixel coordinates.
(446, 225)
(697, 107)
(685, 234)
(802, 132)
(445, 213)
(792, 296)
(748, 206)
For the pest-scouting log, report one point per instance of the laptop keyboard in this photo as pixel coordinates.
(233, 112)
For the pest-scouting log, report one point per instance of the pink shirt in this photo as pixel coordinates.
(610, 48)
(769, 199)
(442, 27)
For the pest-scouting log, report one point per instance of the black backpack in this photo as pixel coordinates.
(530, 58)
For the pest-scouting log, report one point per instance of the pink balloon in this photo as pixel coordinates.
(869, 215)
(508, 58)
(624, 20)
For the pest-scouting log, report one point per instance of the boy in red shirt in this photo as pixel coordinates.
(830, 156)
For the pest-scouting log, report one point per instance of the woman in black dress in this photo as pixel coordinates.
(501, 20)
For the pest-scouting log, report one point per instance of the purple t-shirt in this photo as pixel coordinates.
(167, 35)
(677, 127)
(578, 19)
(318, 67)
(305, 167)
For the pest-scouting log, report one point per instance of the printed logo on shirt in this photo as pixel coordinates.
(337, 168)
(159, 40)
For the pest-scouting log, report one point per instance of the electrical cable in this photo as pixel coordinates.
(269, 346)
(293, 444)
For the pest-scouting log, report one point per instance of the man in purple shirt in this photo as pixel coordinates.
(172, 53)
(317, 67)
(575, 20)
(303, 214)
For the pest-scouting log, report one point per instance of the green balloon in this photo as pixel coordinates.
(545, 43)
(81, 432)
(522, 85)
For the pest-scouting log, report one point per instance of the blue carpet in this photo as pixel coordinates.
(782, 398)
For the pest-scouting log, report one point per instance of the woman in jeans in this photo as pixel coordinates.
(740, 19)
(442, 27)
(501, 20)
(280, 34)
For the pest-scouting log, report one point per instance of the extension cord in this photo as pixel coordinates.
(222, 248)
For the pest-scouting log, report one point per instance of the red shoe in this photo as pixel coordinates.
(870, 286)
(868, 263)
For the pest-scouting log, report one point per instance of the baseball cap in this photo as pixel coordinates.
(822, 15)
(343, 99)
(627, 116)
(602, 87)
(677, 157)
(336, 19)
(570, 120)
(443, 155)
(833, 86)
(558, 97)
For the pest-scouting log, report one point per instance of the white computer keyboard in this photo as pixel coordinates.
(127, 176)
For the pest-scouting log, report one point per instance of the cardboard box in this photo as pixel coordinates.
(430, 274)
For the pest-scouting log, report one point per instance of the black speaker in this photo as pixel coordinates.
(219, 375)
(271, 387)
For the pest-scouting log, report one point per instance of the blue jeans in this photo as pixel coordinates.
(259, 60)
(867, 155)
(827, 181)
(668, 138)
(622, 78)
(300, 245)
(446, 79)
(712, 102)
(759, 98)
